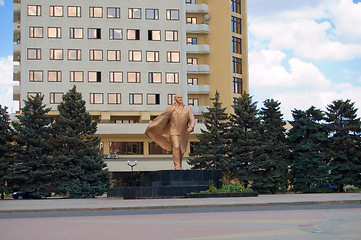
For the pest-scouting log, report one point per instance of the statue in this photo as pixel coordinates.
(171, 129)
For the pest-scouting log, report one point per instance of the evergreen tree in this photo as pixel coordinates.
(308, 141)
(345, 150)
(211, 151)
(5, 150)
(80, 169)
(32, 167)
(246, 153)
(275, 173)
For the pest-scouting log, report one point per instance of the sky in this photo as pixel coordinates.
(302, 53)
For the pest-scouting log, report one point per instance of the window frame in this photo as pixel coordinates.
(33, 33)
(112, 31)
(78, 54)
(169, 14)
(74, 74)
(93, 55)
(237, 85)
(37, 9)
(94, 33)
(52, 11)
(137, 78)
(94, 100)
(136, 34)
(117, 12)
(156, 99)
(117, 55)
(152, 36)
(77, 11)
(53, 97)
(171, 57)
(133, 55)
(132, 11)
(112, 77)
(93, 13)
(236, 24)
(236, 45)
(98, 76)
(131, 98)
(57, 31)
(53, 55)
(155, 13)
(174, 34)
(58, 76)
(152, 55)
(175, 77)
(151, 77)
(118, 98)
(33, 74)
(237, 65)
(37, 53)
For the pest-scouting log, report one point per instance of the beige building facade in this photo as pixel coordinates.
(129, 58)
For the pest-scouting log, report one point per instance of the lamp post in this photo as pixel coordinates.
(132, 165)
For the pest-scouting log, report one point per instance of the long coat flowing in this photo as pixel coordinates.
(159, 130)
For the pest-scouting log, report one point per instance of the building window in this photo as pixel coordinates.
(36, 32)
(34, 10)
(156, 149)
(133, 34)
(56, 11)
(113, 12)
(134, 13)
(34, 53)
(237, 65)
(192, 101)
(76, 33)
(74, 11)
(116, 77)
(171, 35)
(54, 32)
(133, 77)
(154, 35)
(35, 76)
(96, 55)
(171, 98)
(115, 34)
(191, 20)
(236, 6)
(152, 56)
(154, 77)
(74, 54)
(190, 1)
(192, 61)
(152, 14)
(135, 56)
(94, 76)
(172, 14)
(135, 98)
(56, 98)
(153, 99)
(56, 54)
(95, 12)
(172, 78)
(237, 85)
(113, 55)
(94, 33)
(192, 81)
(76, 76)
(126, 148)
(54, 76)
(236, 45)
(236, 25)
(96, 98)
(173, 57)
(114, 98)
(191, 41)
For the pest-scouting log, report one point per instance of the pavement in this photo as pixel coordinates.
(108, 204)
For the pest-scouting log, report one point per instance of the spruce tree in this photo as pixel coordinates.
(308, 140)
(211, 151)
(246, 153)
(80, 170)
(32, 166)
(275, 173)
(345, 150)
(5, 151)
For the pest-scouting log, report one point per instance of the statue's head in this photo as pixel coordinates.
(178, 98)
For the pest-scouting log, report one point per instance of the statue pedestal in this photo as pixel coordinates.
(169, 184)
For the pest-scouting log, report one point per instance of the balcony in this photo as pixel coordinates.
(198, 89)
(198, 49)
(197, 110)
(17, 11)
(16, 72)
(198, 69)
(16, 93)
(197, 8)
(17, 33)
(17, 57)
(197, 28)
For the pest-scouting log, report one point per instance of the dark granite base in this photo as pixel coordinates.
(168, 184)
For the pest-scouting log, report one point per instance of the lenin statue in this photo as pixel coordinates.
(170, 130)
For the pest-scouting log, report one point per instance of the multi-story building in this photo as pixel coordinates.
(129, 58)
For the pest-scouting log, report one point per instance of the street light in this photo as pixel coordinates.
(132, 165)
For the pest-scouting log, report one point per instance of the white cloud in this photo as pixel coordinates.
(6, 84)
(304, 33)
(266, 70)
(2, 3)
(320, 99)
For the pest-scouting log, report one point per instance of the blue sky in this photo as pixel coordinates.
(301, 52)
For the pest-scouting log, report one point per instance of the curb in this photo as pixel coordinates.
(305, 203)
